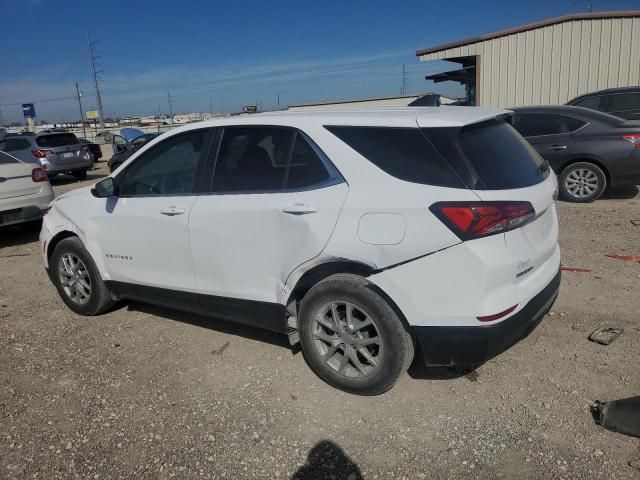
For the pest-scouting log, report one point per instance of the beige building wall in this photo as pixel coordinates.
(555, 63)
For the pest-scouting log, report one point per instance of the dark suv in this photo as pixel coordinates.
(621, 102)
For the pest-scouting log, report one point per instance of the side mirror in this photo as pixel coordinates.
(104, 188)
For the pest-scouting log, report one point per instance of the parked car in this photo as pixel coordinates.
(360, 234)
(94, 148)
(130, 148)
(621, 102)
(589, 150)
(25, 193)
(55, 152)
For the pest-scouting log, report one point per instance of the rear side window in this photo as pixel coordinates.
(14, 144)
(537, 124)
(57, 140)
(404, 153)
(5, 159)
(267, 159)
(490, 155)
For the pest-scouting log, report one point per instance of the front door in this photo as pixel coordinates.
(275, 199)
(144, 233)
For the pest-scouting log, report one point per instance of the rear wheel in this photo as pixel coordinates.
(80, 175)
(351, 337)
(582, 182)
(77, 279)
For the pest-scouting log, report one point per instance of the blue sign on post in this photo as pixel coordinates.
(28, 110)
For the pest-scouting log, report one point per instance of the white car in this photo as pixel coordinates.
(364, 234)
(25, 193)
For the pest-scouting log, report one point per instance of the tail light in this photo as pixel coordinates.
(40, 153)
(469, 220)
(633, 138)
(84, 148)
(38, 175)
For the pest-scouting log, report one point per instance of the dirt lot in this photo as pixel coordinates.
(144, 392)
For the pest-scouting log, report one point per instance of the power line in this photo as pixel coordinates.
(37, 101)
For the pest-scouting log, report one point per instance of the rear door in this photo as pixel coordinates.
(15, 178)
(549, 134)
(274, 201)
(66, 150)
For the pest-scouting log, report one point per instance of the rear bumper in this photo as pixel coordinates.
(474, 345)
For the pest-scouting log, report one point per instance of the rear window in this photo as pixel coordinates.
(490, 155)
(57, 140)
(5, 159)
(404, 153)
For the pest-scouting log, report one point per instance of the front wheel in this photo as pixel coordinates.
(77, 279)
(582, 182)
(351, 337)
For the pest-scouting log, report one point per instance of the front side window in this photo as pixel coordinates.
(621, 102)
(266, 159)
(169, 168)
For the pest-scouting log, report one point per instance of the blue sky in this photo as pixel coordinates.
(237, 53)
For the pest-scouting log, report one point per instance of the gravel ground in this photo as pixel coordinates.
(144, 392)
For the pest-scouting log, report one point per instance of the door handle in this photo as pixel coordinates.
(557, 148)
(172, 211)
(300, 209)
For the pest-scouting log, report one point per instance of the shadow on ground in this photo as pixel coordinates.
(327, 460)
(621, 193)
(16, 236)
(59, 180)
(216, 324)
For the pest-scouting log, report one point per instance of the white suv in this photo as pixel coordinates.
(364, 234)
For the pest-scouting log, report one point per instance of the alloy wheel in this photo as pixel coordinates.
(581, 183)
(74, 278)
(347, 339)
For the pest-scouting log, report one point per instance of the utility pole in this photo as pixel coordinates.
(94, 73)
(278, 100)
(170, 106)
(78, 94)
(210, 106)
(403, 90)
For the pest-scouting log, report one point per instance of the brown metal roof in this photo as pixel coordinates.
(530, 26)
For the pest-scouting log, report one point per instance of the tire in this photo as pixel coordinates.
(354, 373)
(582, 182)
(98, 298)
(80, 175)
